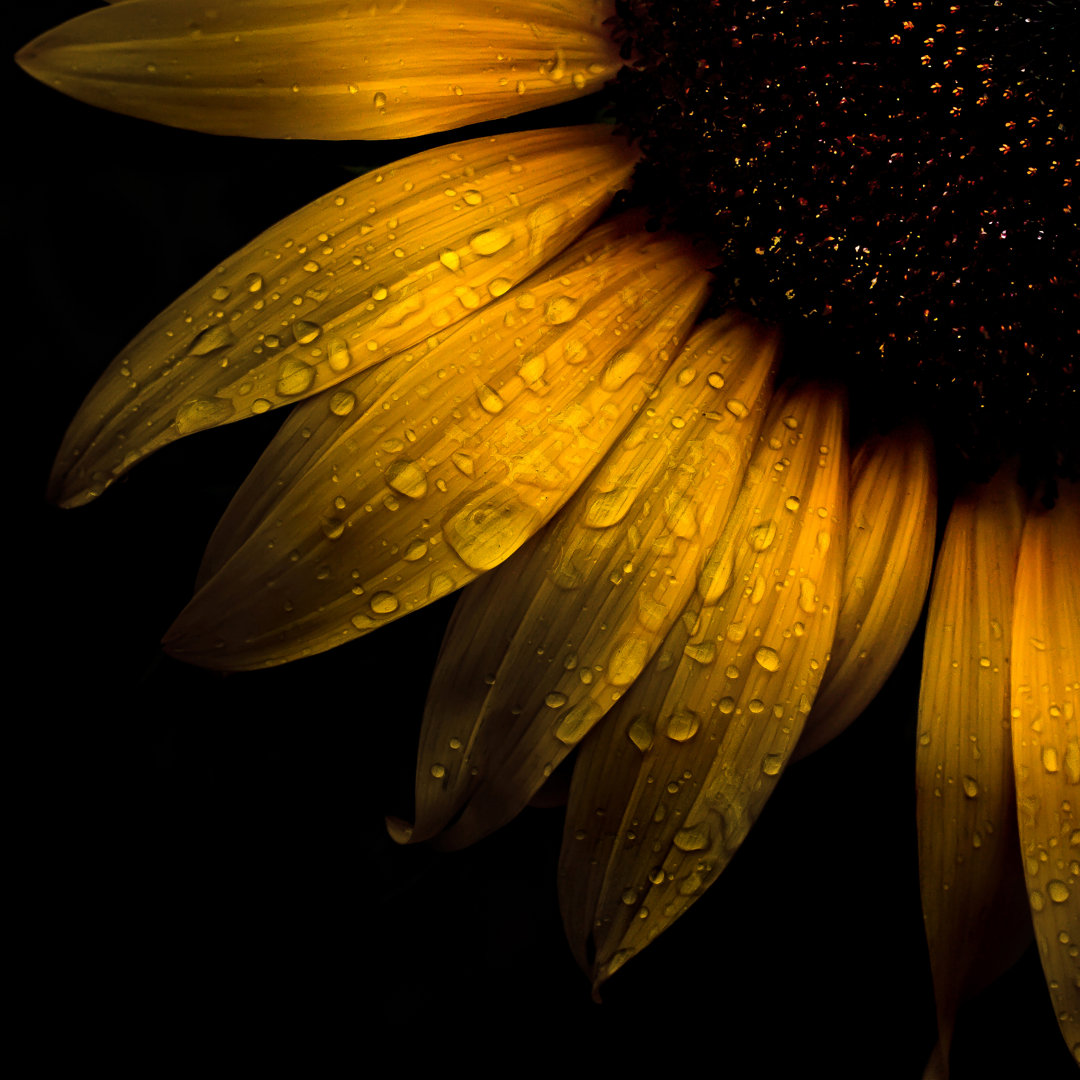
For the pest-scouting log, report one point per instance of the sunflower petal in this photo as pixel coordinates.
(891, 529)
(363, 273)
(665, 791)
(968, 864)
(539, 650)
(1046, 744)
(324, 69)
(460, 461)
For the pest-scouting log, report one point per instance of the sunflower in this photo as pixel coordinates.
(660, 516)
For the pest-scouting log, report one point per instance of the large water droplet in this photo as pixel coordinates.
(305, 332)
(408, 478)
(768, 658)
(211, 339)
(202, 413)
(489, 399)
(761, 536)
(491, 241)
(620, 368)
(295, 377)
(682, 724)
(693, 838)
(490, 528)
(384, 603)
(627, 659)
(641, 732)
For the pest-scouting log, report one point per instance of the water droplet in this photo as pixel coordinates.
(202, 413)
(560, 309)
(379, 101)
(761, 536)
(577, 721)
(253, 283)
(971, 787)
(450, 259)
(414, 550)
(220, 293)
(342, 402)
(629, 897)
(693, 838)
(627, 659)
(726, 705)
(715, 380)
(682, 725)
(210, 340)
(641, 732)
(704, 652)
(768, 658)
(489, 399)
(383, 603)
(490, 528)
(738, 409)
(305, 332)
(731, 672)
(1058, 891)
(619, 369)
(338, 355)
(295, 377)
(438, 771)
(771, 764)
(792, 503)
(555, 700)
(491, 241)
(807, 595)
(407, 477)
(260, 406)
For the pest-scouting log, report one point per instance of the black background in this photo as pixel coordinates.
(205, 857)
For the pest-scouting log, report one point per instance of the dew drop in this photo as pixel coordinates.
(384, 603)
(491, 241)
(555, 700)
(1058, 891)
(768, 658)
(761, 536)
(295, 377)
(627, 659)
(489, 399)
(771, 764)
(682, 725)
(971, 787)
(438, 771)
(342, 402)
(490, 528)
(692, 838)
(305, 332)
(210, 340)
(738, 409)
(715, 380)
(560, 309)
(202, 413)
(641, 732)
(414, 550)
(619, 369)
(408, 478)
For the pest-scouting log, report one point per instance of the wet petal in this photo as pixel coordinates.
(365, 272)
(967, 839)
(323, 69)
(665, 791)
(539, 650)
(1046, 743)
(459, 461)
(889, 554)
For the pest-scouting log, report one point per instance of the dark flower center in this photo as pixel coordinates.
(892, 181)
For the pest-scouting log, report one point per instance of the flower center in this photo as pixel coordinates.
(889, 179)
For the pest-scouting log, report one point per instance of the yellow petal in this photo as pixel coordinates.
(539, 650)
(460, 461)
(967, 841)
(1046, 743)
(889, 554)
(365, 272)
(665, 791)
(323, 69)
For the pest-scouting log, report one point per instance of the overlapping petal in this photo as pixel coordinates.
(539, 650)
(889, 555)
(482, 439)
(665, 791)
(968, 862)
(374, 268)
(1046, 744)
(328, 69)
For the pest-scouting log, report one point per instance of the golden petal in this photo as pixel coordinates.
(323, 69)
(367, 271)
(539, 650)
(967, 841)
(457, 463)
(1046, 743)
(665, 791)
(891, 529)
